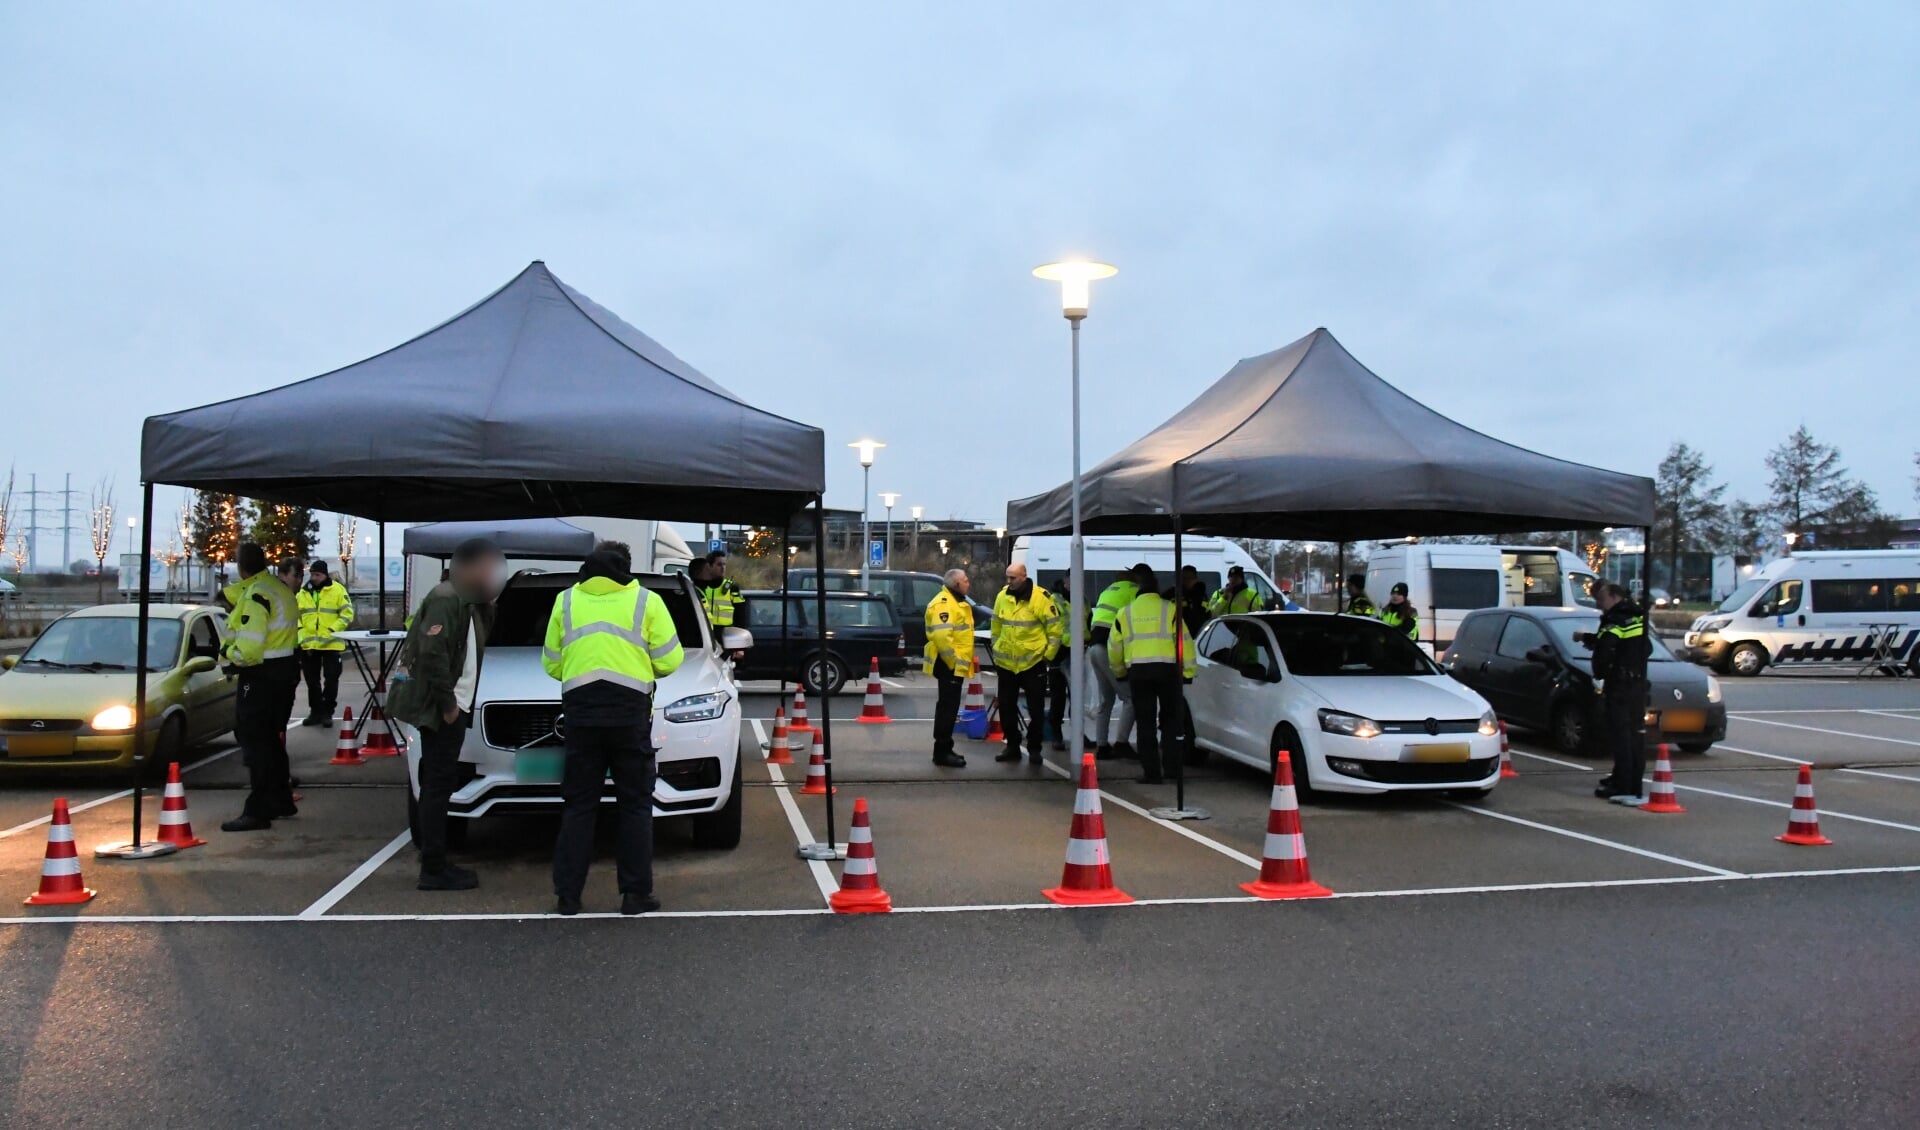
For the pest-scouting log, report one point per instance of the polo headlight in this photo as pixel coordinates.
(699, 708)
(1713, 689)
(1489, 725)
(1351, 725)
(119, 717)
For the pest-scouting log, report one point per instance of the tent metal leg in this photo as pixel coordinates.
(825, 850)
(382, 566)
(1340, 581)
(134, 849)
(1169, 751)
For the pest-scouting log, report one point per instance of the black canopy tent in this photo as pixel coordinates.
(1305, 442)
(536, 402)
(525, 537)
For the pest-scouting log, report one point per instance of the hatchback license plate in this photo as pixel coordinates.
(1440, 752)
(1683, 721)
(39, 745)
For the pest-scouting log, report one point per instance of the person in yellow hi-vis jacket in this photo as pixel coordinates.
(949, 659)
(608, 640)
(1026, 636)
(262, 634)
(1151, 650)
(325, 609)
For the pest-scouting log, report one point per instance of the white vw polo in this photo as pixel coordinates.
(1360, 707)
(513, 754)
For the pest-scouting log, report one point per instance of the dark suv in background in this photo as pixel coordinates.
(861, 628)
(908, 592)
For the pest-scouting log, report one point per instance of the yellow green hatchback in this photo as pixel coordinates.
(67, 703)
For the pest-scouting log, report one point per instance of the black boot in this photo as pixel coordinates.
(247, 822)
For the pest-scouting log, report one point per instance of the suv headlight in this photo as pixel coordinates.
(1713, 689)
(1352, 725)
(699, 708)
(113, 718)
(1489, 725)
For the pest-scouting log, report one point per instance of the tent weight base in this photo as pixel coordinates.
(152, 849)
(820, 852)
(1180, 814)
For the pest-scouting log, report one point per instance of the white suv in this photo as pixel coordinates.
(514, 751)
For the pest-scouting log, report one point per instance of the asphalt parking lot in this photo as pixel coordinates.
(1562, 919)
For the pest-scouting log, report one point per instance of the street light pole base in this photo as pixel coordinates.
(821, 852)
(151, 849)
(1180, 813)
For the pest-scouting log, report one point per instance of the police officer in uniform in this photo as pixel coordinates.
(1109, 687)
(262, 637)
(1026, 636)
(609, 639)
(325, 608)
(1621, 649)
(720, 595)
(1237, 596)
(1149, 648)
(1358, 602)
(1400, 613)
(948, 657)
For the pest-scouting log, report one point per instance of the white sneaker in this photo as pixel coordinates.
(1630, 801)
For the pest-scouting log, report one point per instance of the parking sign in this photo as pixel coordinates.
(877, 553)
(716, 545)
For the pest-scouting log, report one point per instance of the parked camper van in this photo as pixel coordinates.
(1858, 607)
(1445, 582)
(1105, 558)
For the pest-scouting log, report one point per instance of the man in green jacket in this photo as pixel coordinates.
(442, 658)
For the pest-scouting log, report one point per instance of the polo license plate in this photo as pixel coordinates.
(39, 745)
(1439, 752)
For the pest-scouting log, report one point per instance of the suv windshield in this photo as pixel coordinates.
(520, 617)
(1346, 645)
(103, 643)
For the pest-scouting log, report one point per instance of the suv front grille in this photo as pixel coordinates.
(520, 725)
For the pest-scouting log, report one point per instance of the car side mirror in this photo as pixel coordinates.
(735, 639)
(199, 665)
(1541, 654)
(7, 662)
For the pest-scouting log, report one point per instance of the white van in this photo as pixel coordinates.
(1445, 582)
(1106, 557)
(1859, 607)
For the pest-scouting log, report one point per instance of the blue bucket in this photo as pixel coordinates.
(973, 723)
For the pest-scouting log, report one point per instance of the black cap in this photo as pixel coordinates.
(317, 566)
(1400, 589)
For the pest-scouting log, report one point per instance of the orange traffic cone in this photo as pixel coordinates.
(1283, 865)
(860, 891)
(816, 771)
(1803, 825)
(346, 751)
(380, 741)
(976, 698)
(1660, 794)
(994, 732)
(60, 881)
(799, 725)
(176, 827)
(1087, 879)
(1506, 754)
(874, 709)
(780, 749)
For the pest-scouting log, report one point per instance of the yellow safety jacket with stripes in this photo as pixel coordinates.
(1402, 616)
(1144, 635)
(264, 623)
(604, 632)
(1112, 599)
(322, 614)
(1224, 603)
(1025, 632)
(1361, 605)
(721, 601)
(949, 634)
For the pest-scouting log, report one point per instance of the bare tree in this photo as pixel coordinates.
(6, 510)
(100, 526)
(1686, 504)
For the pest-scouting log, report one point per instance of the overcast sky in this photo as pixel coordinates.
(1713, 212)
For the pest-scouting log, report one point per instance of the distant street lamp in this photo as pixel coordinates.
(1074, 278)
(888, 499)
(866, 447)
(917, 511)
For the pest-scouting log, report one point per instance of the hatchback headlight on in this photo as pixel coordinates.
(699, 708)
(1489, 725)
(1352, 725)
(1713, 689)
(113, 718)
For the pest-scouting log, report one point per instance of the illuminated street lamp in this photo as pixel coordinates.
(888, 499)
(917, 511)
(866, 447)
(1074, 277)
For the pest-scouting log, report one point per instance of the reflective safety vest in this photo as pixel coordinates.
(1144, 634)
(1223, 603)
(1402, 616)
(721, 601)
(1361, 605)
(602, 631)
(264, 623)
(949, 634)
(322, 614)
(1025, 632)
(1113, 598)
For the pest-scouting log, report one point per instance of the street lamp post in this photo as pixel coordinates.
(917, 511)
(1074, 277)
(888, 499)
(866, 448)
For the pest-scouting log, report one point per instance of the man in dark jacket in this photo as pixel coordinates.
(1192, 593)
(1621, 649)
(442, 657)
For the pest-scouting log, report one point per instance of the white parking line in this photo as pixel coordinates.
(1877, 773)
(1835, 733)
(1629, 848)
(1555, 761)
(892, 682)
(811, 912)
(1825, 812)
(358, 876)
(1757, 753)
(108, 799)
(802, 835)
(1893, 714)
(1169, 825)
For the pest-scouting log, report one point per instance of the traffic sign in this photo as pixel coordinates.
(877, 553)
(716, 545)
